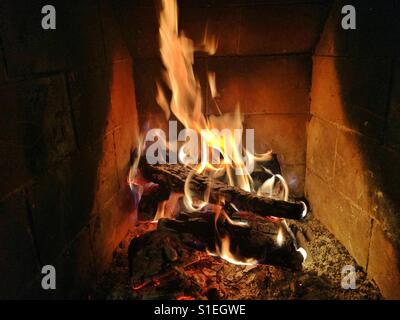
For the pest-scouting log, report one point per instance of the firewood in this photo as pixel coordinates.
(174, 177)
(257, 240)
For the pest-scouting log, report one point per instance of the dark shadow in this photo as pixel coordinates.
(370, 96)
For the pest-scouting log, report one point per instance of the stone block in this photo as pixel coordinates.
(143, 40)
(262, 84)
(125, 141)
(377, 24)
(321, 148)
(63, 200)
(283, 134)
(351, 92)
(18, 261)
(362, 172)
(122, 96)
(377, 29)
(107, 182)
(90, 101)
(223, 22)
(280, 28)
(103, 234)
(383, 264)
(29, 49)
(115, 44)
(36, 126)
(351, 226)
(75, 268)
(14, 165)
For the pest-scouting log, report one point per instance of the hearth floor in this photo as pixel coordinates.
(196, 275)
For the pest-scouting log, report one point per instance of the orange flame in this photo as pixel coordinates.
(219, 138)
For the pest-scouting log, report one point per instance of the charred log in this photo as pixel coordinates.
(257, 240)
(174, 177)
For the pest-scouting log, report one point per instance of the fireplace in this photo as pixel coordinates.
(79, 193)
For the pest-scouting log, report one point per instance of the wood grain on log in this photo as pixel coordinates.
(174, 177)
(258, 240)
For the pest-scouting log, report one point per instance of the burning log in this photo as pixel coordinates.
(175, 176)
(261, 241)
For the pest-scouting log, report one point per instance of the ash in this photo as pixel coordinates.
(162, 267)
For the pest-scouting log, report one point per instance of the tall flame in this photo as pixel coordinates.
(177, 54)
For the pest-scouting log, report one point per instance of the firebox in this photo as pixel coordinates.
(206, 149)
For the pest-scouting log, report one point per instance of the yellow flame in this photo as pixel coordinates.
(167, 208)
(225, 253)
(303, 253)
(279, 237)
(177, 54)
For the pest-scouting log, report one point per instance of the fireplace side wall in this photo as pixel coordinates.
(263, 63)
(354, 135)
(68, 125)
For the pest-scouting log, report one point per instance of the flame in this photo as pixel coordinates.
(224, 251)
(177, 54)
(188, 199)
(223, 155)
(279, 238)
(303, 253)
(167, 208)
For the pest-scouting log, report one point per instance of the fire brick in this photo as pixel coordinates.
(18, 260)
(383, 263)
(115, 46)
(321, 148)
(354, 176)
(75, 41)
(122, 96)
(262, 84)
(284, 134)
(350, 225)
(37, 128)
(273, 29)
(223, 22)
(376, 21)
(90, 102)
(351, 92)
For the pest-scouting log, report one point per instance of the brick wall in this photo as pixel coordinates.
(353, 137)
(68, 125)
(263, 62)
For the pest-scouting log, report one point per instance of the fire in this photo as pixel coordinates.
(222, 152)
(279, 237)
(167, 208)
(224, 251)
